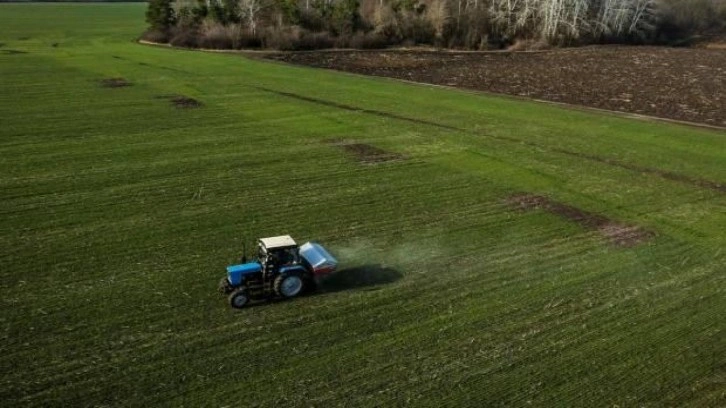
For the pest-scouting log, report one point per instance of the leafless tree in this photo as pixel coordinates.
(549, 19)
(249, 13)
(622, 16)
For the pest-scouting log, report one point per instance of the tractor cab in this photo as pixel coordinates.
(276, 252)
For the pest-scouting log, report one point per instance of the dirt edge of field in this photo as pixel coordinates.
(116, 82)
(365, 153)
(654, 86)
(617, 233)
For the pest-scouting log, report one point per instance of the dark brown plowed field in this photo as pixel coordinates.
(676, 83)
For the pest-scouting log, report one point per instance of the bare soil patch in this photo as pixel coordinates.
(184, 102)
(617, 233)
(676, 83)
(625, 235)
(716, 46)
(368, 154)
(115, 83)
(13, 52)
(181, 101)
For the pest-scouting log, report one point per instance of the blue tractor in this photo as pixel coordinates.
(281, 269)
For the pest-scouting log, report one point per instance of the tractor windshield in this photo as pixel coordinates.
(289, 256)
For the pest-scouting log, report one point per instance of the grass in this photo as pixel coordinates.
(120, 212)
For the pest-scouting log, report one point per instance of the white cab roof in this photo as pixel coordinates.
(278, 242)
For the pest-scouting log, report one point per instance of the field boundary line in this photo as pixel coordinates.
(256, 54)
(340, 50)
(564, 105)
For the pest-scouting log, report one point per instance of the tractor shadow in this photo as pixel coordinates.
(367, 277)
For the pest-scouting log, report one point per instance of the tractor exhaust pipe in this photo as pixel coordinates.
(244, 253)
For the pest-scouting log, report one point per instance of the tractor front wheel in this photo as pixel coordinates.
(239, 298)
(289, 285)
(224, 286)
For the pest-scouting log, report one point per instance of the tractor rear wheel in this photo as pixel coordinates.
(239, 298)
(289, 285)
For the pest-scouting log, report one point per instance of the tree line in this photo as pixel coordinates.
(468, 24)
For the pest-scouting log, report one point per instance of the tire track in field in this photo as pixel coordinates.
(332, 104)
(707, 184)
(146, 64)
(672, 176)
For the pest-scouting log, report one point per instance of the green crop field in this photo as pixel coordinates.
(459, 287)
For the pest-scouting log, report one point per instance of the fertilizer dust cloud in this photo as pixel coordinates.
(404, 254)
(369, 265)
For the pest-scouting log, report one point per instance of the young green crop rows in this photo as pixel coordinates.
(120, 212)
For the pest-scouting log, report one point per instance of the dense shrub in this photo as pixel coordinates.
(160, 15)
(471, 31)
(184, 37)
(248, 39)
(312, 19)
(470, 24)
(297, 39)
(219, 37)
(281, 38)
(367, 41)
(156, 36)
(680, 20)
(314, 41)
